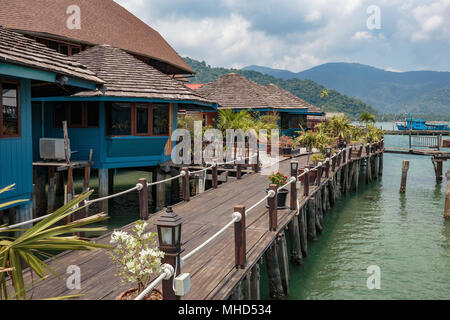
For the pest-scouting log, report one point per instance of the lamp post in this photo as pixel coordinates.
(169, 237)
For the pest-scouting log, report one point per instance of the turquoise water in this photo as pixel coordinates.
(405, 235)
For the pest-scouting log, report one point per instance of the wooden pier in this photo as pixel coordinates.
(213, 270)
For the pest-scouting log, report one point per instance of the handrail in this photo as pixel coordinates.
(182, 174)
(167, 273)
(236, 218)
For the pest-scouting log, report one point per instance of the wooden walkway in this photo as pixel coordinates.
(212, 270)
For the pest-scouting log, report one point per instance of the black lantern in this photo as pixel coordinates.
(169, 231)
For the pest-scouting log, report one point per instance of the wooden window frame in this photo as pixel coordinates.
(134, 106)
(19, 115)
(84, 116)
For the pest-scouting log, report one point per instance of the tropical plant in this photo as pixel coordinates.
(366, 118)
(339, 127)
(317, 157)
(38, 243)
(278, 178)
(10, 203)
(136, 256)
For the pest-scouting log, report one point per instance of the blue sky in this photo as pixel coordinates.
(300, 34)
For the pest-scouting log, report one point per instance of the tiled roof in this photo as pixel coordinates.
(102, 22)
(19, 50)
(127, 76)
(290, 100)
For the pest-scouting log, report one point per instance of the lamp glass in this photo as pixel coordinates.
(166, 236)
(177, 235)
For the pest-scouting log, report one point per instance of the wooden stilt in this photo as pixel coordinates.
(59, 184)
(160, 191)
(437, 164)
(447, 197)
(375, 165)
(103, 189)
(318, 211)
(51, 190)
(303, 227)
(41, 182)
(283, 261)
(111, 181)
(296, 250)
(356, 176)
(381, 164)
(405, 168)
(255, 289)
(237, 292)
(276, 290)
(312, 236)
(247, 287)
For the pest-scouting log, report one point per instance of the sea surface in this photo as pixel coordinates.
(405, 235)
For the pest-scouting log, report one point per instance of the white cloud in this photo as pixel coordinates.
(362, 35)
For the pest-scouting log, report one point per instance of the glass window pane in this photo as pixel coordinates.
(93, 114)
(142, 119)
(76, 114)
(119, 119)
(60, 114)
(161, 119)
(10, 109)
(284, 121)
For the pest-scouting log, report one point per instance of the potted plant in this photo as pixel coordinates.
(137, 259)
(286, 145)
(280, 180)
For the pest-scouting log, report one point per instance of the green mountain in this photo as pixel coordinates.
(418, 92)
(308, 90)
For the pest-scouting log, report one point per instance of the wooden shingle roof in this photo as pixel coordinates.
(127, 76)
(102, 22)
(19, 50)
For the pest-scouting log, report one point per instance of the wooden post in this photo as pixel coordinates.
(51, 190)
(273, 206)
(294, 232)
(318, 175)
(339, 156)
(276, 290)
(185, 185)
(312, 236)
(405, 168)
(350, 153)
(447, 197)
(369, 169)
(160, 191)
(143, 199)
(293, 196)
(327, 174)
(214, 179)
(111, 181)
(103, 189)
(437, 164)
(333, 163)
(237, 292)
(240, 241)
(381, 164)
(283, 261)
(66, 142)
(255, 289)
(39, 187)
(306, 184)
(70, 194)
(239, 171)
(303, 227)
(256, 165)
(318, 211)
(360, 151)
(87, 172)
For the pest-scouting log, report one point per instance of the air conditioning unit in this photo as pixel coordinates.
(53, 149)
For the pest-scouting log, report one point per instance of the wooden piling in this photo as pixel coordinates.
(160, 191)
(214, 179)
(303, 227)
(283, 261)
(39, 187)
(356, 175)
(255, 289)
(51, 202)
(312, 235)
(185, 185)
(111, 181)
(437, 164)
(143, 199)
(237, 292)
(239, 171)
(447, 197)
(276, 290)
(405, 168)
(306, 184)
(103, 189)
(375, 165)
(296, 250)
(240, 242)
(319, 217)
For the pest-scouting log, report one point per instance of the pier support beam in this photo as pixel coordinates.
(103, 187)
(447, 197)
(255, 289)
(111, 173)
(276, 290)
(283, 261)
(303, 221)
(51, 190)
(39, 189)
(312, 235)
(296, 251)
(437, 164)
(405, 168)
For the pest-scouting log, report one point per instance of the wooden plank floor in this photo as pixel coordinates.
(212, 270)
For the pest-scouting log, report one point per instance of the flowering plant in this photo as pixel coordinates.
(278, 178)
(136, 256)
(286, 142)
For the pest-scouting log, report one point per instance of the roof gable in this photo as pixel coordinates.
(102, 22)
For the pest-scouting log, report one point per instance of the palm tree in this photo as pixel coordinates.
(366, 118)
(340, 128)
(38, 243)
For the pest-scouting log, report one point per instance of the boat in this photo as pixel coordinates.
(420, 125)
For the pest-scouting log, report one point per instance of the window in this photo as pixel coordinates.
(284, 121)
(139, 119)
(77, 114)
(10, 110)
(161, 119)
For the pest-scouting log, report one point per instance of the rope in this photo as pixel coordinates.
(291, 180)
(203, 170)
(165, 275)
(136, 188)
(166, 180)
(270, 194)
(218, 233)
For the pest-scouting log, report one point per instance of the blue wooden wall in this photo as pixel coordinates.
(109, 152)
(16, 159)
